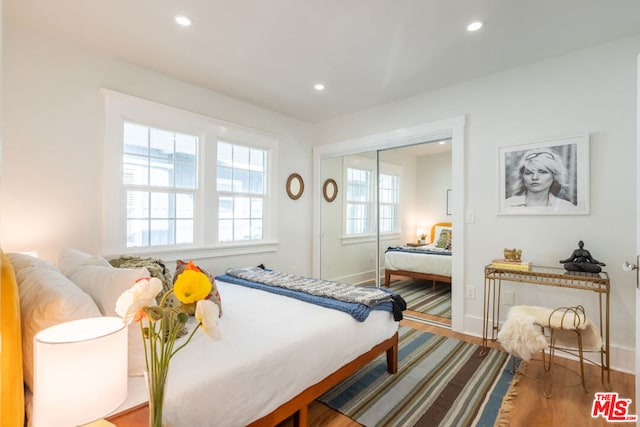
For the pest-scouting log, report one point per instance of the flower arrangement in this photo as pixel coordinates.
(161, 325)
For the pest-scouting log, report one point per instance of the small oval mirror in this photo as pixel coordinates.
(295, 186)
(330, 190)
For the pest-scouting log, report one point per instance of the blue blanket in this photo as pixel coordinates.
(417, 250)
(358, 311)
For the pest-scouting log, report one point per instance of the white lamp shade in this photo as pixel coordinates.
(80, 372)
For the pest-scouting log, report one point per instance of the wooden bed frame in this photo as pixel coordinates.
(416, 275)
(297, 407)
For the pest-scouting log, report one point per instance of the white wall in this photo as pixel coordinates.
(434, 173)
(51, 187)
(592, 91)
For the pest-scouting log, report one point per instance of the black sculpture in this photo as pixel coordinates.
(581, 260)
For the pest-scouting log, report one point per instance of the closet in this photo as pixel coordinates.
(351, 221)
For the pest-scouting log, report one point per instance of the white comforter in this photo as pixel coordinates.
(272, 347)
(417, 262)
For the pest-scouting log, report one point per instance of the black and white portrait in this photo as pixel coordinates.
(545, 177)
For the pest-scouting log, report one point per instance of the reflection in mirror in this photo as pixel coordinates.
(330, 190)
(411, 183)
(348, 224)
(421, 204)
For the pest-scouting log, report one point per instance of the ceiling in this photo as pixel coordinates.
(367, 52)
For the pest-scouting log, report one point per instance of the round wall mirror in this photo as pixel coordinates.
(295, 186)
(330, 190)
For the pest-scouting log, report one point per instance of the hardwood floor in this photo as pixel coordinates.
(569, 405)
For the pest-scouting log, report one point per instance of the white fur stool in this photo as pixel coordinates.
(529, 329)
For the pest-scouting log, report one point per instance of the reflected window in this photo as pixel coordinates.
(358, 200)
(388, 191)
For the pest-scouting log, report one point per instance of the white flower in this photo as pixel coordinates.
(138, 297)
(207, 313)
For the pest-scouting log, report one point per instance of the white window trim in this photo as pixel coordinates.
(120, 107)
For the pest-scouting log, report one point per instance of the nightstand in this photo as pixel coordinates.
(137, 416)
(134, 411)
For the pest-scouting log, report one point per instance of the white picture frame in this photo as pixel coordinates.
(545, 177)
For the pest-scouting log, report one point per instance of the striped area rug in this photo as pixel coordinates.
(440, 382)
(421, 297)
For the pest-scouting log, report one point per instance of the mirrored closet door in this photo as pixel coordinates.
(376, 199)
(381, 190)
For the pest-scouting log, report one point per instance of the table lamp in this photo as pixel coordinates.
(80, 372)
(420, 232)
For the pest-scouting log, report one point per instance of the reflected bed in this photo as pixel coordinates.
(427, 262)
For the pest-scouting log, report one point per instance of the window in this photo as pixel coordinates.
(241, 192)
(388, 191)
(159, 175)
(358, 200)
(361, 195)
(180, 181)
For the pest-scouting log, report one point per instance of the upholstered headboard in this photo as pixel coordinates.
(48, 297)
(11, 387)
(435, 227)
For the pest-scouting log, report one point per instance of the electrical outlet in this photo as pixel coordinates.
(471, 292)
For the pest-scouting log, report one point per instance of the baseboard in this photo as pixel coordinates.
(621, 358)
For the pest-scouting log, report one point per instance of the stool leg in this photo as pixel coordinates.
(581, 355)
(547, 364)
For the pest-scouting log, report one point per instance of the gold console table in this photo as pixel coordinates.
(546, 276)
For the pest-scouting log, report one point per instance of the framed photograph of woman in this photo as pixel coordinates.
(545, 177)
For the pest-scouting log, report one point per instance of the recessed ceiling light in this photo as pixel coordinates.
(475, 26)
(318, 87)
(183, 20)
(443, 142)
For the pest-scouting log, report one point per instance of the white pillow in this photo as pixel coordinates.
(47, 298)
(105, 285)
(69, 259)
(20, 261)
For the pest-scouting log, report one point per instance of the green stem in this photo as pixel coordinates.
(164, 297)
(187, 340)
(159, 350)
(157, 368)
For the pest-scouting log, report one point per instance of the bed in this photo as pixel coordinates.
(426, 262)
(265, 368)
